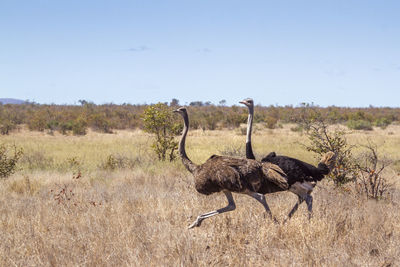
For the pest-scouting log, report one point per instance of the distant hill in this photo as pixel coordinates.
(5, 101)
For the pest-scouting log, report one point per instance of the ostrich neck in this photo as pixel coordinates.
(190, 166)
(249, 150)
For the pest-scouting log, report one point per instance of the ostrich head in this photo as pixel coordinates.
(247, 102)
(181, 110)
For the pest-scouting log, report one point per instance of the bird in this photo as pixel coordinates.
(228, 174)
(302, 177)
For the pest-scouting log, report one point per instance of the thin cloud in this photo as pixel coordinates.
(141, 48)
(204, 50)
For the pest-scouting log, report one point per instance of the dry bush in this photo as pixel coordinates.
(370, 173)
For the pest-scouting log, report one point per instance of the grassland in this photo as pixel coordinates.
(131, 210)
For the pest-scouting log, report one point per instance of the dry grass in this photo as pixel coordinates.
(138, 215)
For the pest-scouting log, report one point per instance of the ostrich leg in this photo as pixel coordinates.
(303, 191)
(295, 207)
(231, 206)
(309, 202)
(261, 198)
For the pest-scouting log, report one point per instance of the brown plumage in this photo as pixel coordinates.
(236, 175)
(228, 174)
(302, 177)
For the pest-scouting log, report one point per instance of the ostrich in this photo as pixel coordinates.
(228, 174)
(302, 177)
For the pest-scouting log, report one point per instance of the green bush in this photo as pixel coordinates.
(52, 125)
(79, 126)
(6, 126)
(359, 125)
(8, 160)
(66, 126)
(99, 122)
(383, 123)
(158, 119)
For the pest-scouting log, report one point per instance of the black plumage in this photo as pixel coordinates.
(297, 170)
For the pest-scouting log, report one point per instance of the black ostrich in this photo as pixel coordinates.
(302, 177)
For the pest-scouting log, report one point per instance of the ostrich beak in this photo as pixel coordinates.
(242, 102)
(175, 111)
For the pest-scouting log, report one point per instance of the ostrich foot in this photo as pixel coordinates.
(196, 223)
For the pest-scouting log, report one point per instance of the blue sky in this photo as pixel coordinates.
(343, 53)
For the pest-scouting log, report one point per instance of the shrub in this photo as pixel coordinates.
(8, 163)
(370, 173)
(52, 125)
(100, 123)
(6, 126)
(210, 121)
(270, 122)
(38, 121)
(323, 140)
(65, 127)
(79, 126)
(383, 123)
(110, 163)
(158, 120)
(359, 125)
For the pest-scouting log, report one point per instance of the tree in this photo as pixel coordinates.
(159, 120)
(174, 102)
(196, 104)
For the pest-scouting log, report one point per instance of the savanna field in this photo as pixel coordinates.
(105, 200)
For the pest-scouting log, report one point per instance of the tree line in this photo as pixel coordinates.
(76, 119)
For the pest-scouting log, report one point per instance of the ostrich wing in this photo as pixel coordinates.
(275, 175)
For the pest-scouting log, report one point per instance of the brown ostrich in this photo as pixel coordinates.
(302, 177)
(228, 174)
